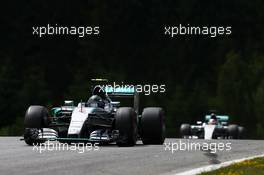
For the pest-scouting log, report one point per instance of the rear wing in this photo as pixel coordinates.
(124, 91)
(220, 118)
(120, 91)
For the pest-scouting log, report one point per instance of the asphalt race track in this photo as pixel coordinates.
(18, 158)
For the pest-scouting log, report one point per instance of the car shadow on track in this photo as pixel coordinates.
(212, 157)
(115, 145)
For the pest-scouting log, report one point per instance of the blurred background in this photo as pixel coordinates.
(201, 73)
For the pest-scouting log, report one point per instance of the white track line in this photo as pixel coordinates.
(214, 167)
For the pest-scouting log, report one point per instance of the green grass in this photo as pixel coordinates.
(15, 129)
(247, 167)
(4, 131)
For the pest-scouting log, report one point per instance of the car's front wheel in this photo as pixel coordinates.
(185, 130)
(126, 124)
(31, 136)
(37, 117)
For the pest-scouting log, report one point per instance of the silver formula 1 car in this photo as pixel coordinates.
(215, 126)
(99, 120)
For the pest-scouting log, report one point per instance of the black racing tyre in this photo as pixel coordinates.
(153, 126)
(185, 130)
(37, 117)
(233, 131)
(31, 136)
(126, 123)
(241, 132)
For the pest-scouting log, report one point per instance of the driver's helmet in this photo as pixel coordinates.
(96, 101)
(213, 119)
(98, 90)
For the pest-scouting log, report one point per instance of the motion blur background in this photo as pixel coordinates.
(225, 73)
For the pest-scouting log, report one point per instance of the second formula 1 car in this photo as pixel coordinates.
(215, 126)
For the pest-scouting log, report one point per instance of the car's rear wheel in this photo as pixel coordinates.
(233, 131)
(241, 132)
(153, 126)
(126, 124)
